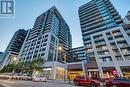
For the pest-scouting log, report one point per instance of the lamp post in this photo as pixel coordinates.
(62, 52)
(14, 59)
(14, 62)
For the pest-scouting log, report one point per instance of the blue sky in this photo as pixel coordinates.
(27, 11)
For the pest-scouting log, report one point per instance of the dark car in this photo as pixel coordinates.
(118, 82)
(80, 80)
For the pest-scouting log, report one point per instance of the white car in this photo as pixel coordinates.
(40, 79)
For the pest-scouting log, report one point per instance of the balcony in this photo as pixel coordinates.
(117, 34)
(100, 43)
(99, 38)
(127, 58)
(114, 47)
(86, 37)
(117, 53)
(94, 30)
(101, 49)
(89, 12)
(87, 41)
(123, 45)
(128, 31)
(90, 55)
(92, 19)
(89, 17)
(120, 39)
(126, 53)
(89, 52)
(88, 46)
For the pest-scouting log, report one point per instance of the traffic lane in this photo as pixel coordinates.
(2, 85)
(21, 83)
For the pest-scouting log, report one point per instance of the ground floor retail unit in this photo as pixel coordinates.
(68, 71)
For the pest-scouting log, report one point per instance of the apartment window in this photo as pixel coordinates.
(53, 39)
(119, 58)
(45, 40)
(42, 54)
(43, 49)
(46, 36)
(127, 57)
(103, 52)
(89, 50)
(109, 36)
(106, 59)
(123, 44)
(104, 47)
(38, 42)
(44, 44)
(125, 51)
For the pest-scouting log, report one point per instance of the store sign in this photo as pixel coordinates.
(114, 72)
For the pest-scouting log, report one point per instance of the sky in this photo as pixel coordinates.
(26, 12)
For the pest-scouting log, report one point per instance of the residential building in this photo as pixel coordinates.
(1, 56)
(76, 62)
(77, 54)
(13, 48)
(106, 41)
(49, 33)
(127, 18)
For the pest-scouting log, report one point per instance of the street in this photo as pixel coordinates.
(22, 83)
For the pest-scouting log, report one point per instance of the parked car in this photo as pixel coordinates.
(21, 77)
(39, 79)
(80, 80)
(15, 76)
(25, 77)
(118, 82)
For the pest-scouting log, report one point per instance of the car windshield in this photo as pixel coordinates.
(81, 77)
(126, 80)
(121, 80)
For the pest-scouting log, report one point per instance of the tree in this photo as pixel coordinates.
(8, 68)
(25, 66)
(30, 66)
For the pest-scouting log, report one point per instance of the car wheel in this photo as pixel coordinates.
(114, 86)
(93, 85)
(76, 83)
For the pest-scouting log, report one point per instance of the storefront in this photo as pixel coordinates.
(73, 74)
(75, 69)
(47, 72)
(93, 73)
(110, 72)
(60, 73)
(92, 70)
(55, 70)
(126, 71)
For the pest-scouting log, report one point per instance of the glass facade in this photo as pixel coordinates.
(49, 31)
(105, 39)
(13, 47)
(55, 25)
(77, 54)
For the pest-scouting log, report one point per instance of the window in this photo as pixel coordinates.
(52, 39)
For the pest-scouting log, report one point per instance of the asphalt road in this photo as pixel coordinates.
(21, 83)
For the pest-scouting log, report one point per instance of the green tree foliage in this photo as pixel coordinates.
(25, 66)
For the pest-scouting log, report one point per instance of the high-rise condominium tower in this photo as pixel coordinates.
(127, 18)
(11, 53)
(106, 42)
(50, 31)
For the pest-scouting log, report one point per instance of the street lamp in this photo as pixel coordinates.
(14, 59)
(14, 62)
(60, 48)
